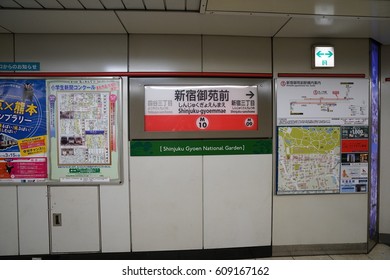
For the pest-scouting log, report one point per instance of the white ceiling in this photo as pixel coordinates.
(276, 18)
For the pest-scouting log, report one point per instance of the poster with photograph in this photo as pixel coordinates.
(23, 130)
(85, 131)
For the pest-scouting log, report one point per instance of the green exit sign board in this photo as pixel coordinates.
(323, 56)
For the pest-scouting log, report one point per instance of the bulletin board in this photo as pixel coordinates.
(60, 130)
(322, 135)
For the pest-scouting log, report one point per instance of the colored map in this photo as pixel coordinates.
(309, 160)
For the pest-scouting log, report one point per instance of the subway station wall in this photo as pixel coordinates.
(319, 219)
(297, 220)
(384, 205)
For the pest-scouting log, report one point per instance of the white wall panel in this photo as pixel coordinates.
(74, 53)
(176, 53)
(166, 203)
(293, 55)
(237, 201)
(115, 199)
(8, 221)
(319, 219)
(79, 209)
(60, 21)
(237, 54)
(384, 211)
(6, 48)
(33, 220)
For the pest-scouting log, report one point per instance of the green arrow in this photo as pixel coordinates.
(320, 53)
(329, 54)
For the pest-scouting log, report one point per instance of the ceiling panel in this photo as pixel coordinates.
(320, 7)
(9, 4)
(50, 4)
(134, 4)
(71, 4)
(113, 4)
(175, 5)
(60, 21)
(337, 27)
(154, 4)
(195, 23)
(29, 4)
(92, 4)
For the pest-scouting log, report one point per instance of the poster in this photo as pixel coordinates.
(84, 134)
(316, 101)
(23, 130)
(200, 108)
(323, 135)
(308, 160)
(354, 159)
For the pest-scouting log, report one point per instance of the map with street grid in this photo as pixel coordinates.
(308, 160)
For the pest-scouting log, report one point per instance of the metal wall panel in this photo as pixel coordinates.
(166, 203)
(33, 220)
(384, 195)
(294, 55)
(8, 221)
(173, 53)
(237, 54)
(6, 48)
(237, 201)
(77, 229)
(74, 53)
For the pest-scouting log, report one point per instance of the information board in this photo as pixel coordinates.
(323, 135)
(200, 108)
(23, 130)
(315, 101)
(84, 129)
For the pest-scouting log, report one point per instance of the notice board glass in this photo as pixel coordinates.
(61, 130)
(322, 135)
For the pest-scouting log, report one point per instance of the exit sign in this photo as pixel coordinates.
(323, 56)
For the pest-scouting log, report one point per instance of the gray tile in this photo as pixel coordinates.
(279, 258)
(350, 257)
(380, 252)
(320, 257)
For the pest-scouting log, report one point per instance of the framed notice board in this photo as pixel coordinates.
(61, 130)
(322, 135)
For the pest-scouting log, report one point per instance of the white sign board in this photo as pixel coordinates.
(323, 56)
(322, 101)
(193, 108)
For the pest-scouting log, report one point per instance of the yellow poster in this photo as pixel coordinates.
(32, 146)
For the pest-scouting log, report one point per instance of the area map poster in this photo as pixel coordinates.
(200, 108)
(23, 130)
(322, 135)
(85, 131)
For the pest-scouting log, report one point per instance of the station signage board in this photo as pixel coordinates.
(323, 57)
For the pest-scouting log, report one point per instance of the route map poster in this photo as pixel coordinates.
(315, 101)
(23, 130)
(85, 131)
(322, 135)
(200, 108)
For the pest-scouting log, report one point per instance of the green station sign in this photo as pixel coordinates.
(200, 147)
